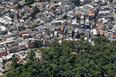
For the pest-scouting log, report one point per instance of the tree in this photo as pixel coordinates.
(36, 10)
(14, 62)
(19, 6)
(112, 18)
(28, 2)
(76, 2)
(11, 15)
(48, 32)
(23, 28)
(23, 13)
(78, 35)
(38, 44)
(65, 17)
(33, 26)
(29, 6)
(32, 15)
(59, 23)
(53, 8)
(71, 59)
(31, 55)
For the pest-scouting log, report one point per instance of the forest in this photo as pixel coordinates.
(71, 59)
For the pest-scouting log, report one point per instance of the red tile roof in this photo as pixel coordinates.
(23, 32)
(54, 4)
(36, 0)
(14, 6)
(61, 36)
(62, 28)
(2, 54)
(91, 14)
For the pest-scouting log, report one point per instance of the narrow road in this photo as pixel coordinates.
(26, 44)
(23, 39)
(5, 45)
(113, 13)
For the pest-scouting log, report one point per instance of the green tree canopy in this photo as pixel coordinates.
(76, 2)
(19, 6)
(71, 59)
(14, 62)
(31, 55)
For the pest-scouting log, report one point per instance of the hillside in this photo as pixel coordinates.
(72, 59)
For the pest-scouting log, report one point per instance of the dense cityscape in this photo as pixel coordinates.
(32, 32)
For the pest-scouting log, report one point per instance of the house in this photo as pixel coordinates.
(21, 2)
(62, 28)
(101, 32)
(94, 32)
(30, 43)
(2, 52)
(46, 37)
(84, 1)
(55, 33)
(25, 36)
(82, 23)
(23, 32)
(87, 33)
(16, 24)
(13, 44)
(21, 46)
(104, 21)
(1, 67)
(104, 12)
(14, 6)
(11, 28)
(8, 19)
(9, 56)
(3, 21)
(1, 44)
(16, 1)
(74, 23)
(13, 49)
(114, 34)
(9, 40)
(3, 29)
(27, 9)
(87, 23)
(70, 32)
(104, 8)
(61, 36)
(91, 16)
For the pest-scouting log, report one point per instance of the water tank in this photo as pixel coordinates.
(86, 20)
(55, 33)
(82, 17)
(82, 22)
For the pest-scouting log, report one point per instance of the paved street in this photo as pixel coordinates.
(114, 15)
(5, 45)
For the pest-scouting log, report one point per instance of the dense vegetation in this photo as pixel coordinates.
(76, 2)
(71, 59)
(27, 2)
(35, 11)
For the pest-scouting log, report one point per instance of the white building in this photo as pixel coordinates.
(94, 32)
